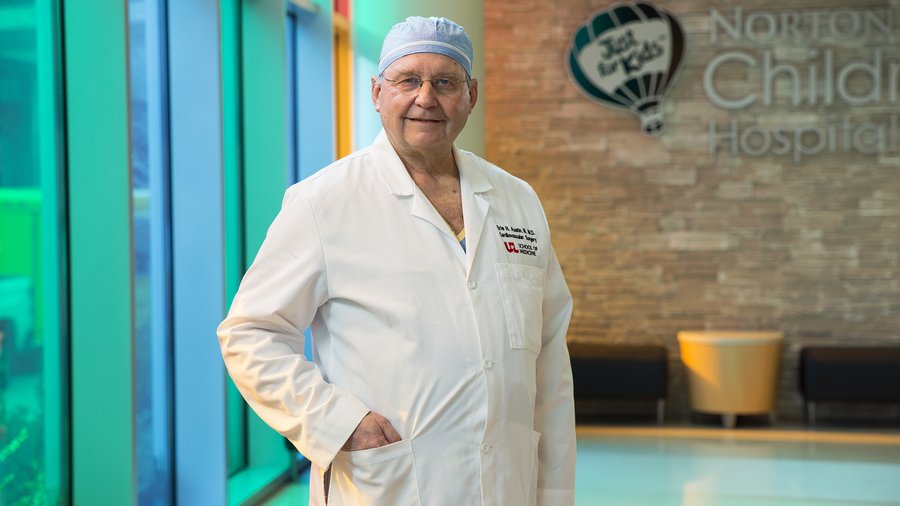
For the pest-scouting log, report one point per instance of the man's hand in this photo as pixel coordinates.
(372, 432)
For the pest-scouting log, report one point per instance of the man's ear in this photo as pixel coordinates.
(473, 93)
(376, 91)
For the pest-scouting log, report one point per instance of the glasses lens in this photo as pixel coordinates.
(412, 84)
(444, 85)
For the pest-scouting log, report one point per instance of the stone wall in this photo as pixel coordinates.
(661, 234)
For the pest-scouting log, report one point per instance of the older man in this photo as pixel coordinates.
(439, 372)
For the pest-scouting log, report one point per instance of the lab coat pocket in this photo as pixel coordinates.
(385, 475)
(521, 290)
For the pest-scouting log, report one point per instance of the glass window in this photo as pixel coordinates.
(291, 68)
(151, 247)
(343, 78)
(236, 409)
(33, 406)
(342, 7)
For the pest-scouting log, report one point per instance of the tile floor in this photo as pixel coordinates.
(690, 466)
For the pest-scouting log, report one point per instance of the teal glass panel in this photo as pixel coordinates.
(151, 249)
(236, 408)
(263, 123)
(291, 99)
(33, 404)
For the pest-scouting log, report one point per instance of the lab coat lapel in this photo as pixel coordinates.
(423, 209)
(391, 168)
(473, 186)
(401, 184)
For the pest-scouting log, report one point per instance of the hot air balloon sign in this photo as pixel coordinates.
(627, 57)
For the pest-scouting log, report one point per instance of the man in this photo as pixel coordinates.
(439, 373)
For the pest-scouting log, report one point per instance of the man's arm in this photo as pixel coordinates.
(262, 339)
(554, 411)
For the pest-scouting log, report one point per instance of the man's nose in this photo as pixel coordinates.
(426, 96)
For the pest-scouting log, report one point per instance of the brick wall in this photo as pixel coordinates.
(657, 235)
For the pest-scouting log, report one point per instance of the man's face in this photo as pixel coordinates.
(424, 119)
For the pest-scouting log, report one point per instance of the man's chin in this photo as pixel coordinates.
(425, 127)
(425, 139)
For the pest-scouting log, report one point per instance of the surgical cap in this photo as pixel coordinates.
(427, 35)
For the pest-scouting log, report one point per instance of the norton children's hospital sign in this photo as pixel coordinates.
(797, 83)
(836, 66)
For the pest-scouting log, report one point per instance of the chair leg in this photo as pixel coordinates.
(729, 420)
(811, 413)
(660, 411)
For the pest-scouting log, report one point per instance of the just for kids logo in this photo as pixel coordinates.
(627, 57)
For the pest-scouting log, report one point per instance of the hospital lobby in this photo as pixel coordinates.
(720, 180)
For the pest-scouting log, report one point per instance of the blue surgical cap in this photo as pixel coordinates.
(427, 35)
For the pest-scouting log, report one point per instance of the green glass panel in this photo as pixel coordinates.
(256, 175)
(100, 252)
(236, 416)
(33, 438)
(265, 164)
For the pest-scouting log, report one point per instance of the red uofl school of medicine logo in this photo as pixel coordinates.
(518, 240)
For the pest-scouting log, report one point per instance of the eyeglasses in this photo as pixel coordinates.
(444, 85)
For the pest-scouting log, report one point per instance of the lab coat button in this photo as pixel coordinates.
(473, 285)
(485, 448)
(487, 363)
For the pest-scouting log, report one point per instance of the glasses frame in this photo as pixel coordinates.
(397, 83)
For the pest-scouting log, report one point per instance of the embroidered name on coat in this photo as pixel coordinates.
(518, 240)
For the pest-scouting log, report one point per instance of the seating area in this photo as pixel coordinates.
(848, 374)
(732, 373)
(611, 372)
(605, 372)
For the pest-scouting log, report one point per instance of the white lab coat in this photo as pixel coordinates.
(464, 352)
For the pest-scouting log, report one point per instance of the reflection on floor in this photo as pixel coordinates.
(292, 495)
(619, 466)
(700, 467)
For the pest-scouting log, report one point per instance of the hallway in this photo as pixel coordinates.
(690, 466)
